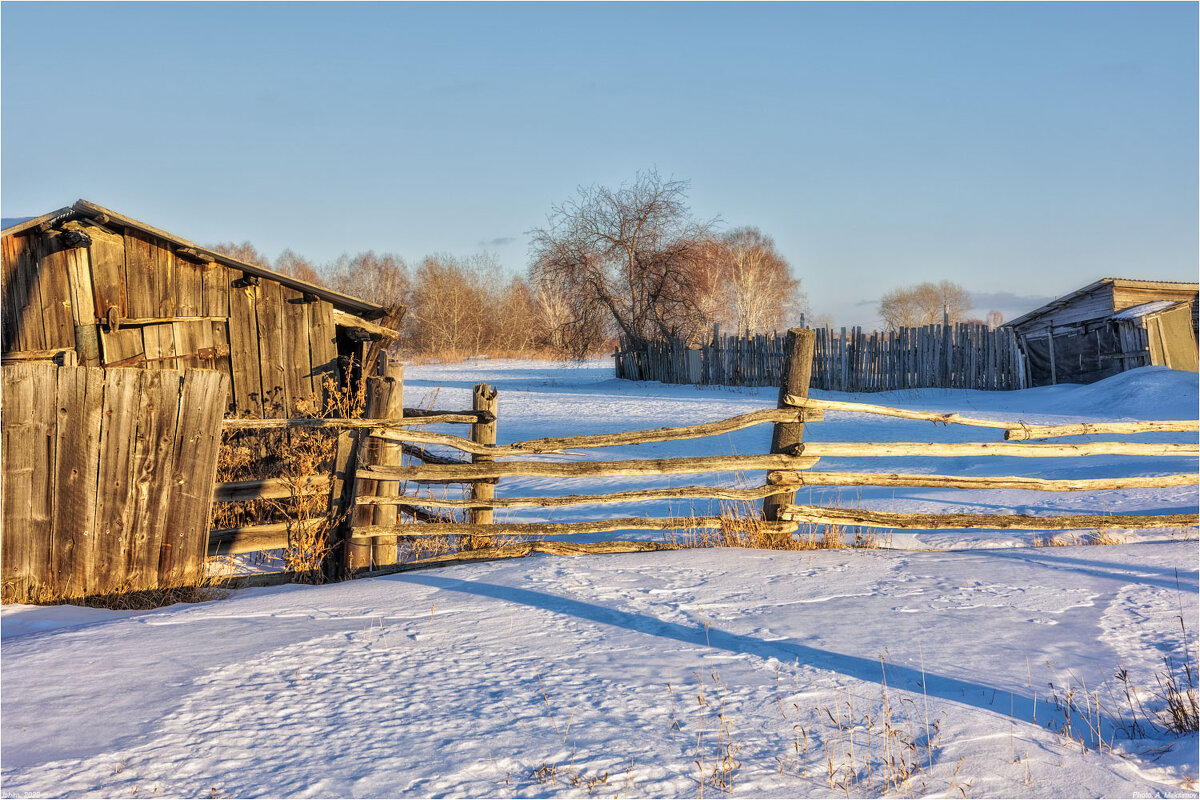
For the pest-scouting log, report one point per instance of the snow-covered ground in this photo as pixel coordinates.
(943, 668)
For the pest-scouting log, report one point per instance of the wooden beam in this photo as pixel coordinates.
(641, 495)
(346, 424)
(254, 538)
(559, 444)
(271, 488)
(586, 469)
(1088, 428)
(348, 320)
(883, 519)
(955, 482)
(368, 532)
(961, 449)
(521, 550)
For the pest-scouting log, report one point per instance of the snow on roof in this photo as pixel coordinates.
(1145, 309)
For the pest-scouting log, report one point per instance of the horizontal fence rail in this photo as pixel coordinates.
(820, 515)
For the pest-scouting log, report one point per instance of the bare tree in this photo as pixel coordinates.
(914, 306)
(753, 283)
(291, 263)
(242, 252)
(629, 254)
(382, 279)
(994, 319)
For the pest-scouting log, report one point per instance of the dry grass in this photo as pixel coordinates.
(1103, 537)
(291, 455)
(125, 597)
(742, 526)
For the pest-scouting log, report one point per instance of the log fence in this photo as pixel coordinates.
(385, 504)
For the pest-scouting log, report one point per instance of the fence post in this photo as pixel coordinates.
(797, 372)
(388, 454)
(483, 399)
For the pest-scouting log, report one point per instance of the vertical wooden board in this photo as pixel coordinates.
(79, 279)
(160, 345)
(189, 338)
(243, 351)
(141, 276)
(164, 279)
(44, 420)
(8, 293)
(107, 256)
(115, 484)
(80, 406)
(322, 346)
(26, 295)
(121, 345)
(197, 438)
(20, 440)
(276, 402)
(153, 464)
(297, 349)
(215, 282)
(219, 332)
(54, 288)
(189, 289)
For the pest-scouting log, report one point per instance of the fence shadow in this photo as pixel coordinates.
(1020, 708)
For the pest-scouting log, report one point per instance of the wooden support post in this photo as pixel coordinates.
(341, 505)
(797, 371)
(483, 432)
(388, 453)
(1050, 342)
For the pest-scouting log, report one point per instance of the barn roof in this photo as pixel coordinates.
(83, 208)
(1128, 283)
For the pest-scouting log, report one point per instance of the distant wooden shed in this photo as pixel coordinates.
(1107, 327)
(117, 292)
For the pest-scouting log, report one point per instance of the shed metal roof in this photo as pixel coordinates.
(1066, 299)
(83, 208)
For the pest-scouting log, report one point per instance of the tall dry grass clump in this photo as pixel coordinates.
(295, 456)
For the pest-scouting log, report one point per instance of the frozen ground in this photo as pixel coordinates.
(910, 672)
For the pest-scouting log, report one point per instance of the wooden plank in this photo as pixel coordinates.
(219, 331)
(109, 281)
(960, 449)
(956, 482)
(559, 444)
(188, 338)
(25, 294)
(44, 419)
(820, 515)
(271, 488)
(53, 286)
(152, 459)
(638, 496)
(276, 401)
(1091, 428)
(297, 354)
(121, 345)
(79, 283)
(114, 495)
(341, 506)
(562, 528)
(165, 278)
(12, 293)
(159, 341)
(80, 403)
(189, 289)
(254, 538)
(141, 275)
(197, 441)
(243, 351)
(585, 469)
(215, 282)
(322, 347)
(20, 470)
(384, 551)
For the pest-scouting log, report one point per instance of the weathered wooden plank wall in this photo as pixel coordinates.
(961, 356)
(108, 477)
(154, 308)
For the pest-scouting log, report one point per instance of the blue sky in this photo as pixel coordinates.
(1022, 150)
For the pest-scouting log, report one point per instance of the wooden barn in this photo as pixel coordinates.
(86, 285)
(1107, 327)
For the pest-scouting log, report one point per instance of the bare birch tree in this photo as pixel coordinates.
(914, 306)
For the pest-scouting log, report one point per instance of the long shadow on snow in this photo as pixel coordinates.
(978, 695)
(1183, 580)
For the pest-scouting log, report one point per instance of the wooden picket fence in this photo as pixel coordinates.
(958, 356)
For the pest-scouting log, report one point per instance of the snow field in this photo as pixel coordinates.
(925, 672)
